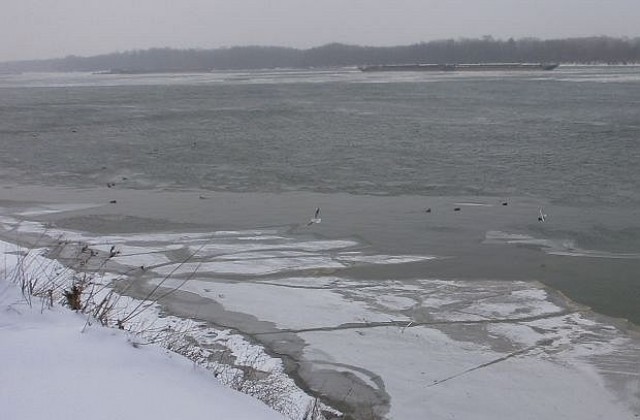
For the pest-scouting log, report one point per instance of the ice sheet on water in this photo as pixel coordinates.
(56, 208)
(395, 303)
(164, 237)
(245, 233)
(139, 256)
(7, 220)
(265, 254)
(215, 247)
(261, 238)
(473, 204)
(498, 237)
(559, 247)
(287, 307)
(595, 254)
(307, 282)
(382, 259)
(218, 248)
(259, 266)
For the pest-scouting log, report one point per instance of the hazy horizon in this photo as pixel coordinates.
(39, 30)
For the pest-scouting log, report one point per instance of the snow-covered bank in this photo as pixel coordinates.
(224, 354)
(50, 368)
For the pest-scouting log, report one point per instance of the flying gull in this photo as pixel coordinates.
(542, 216)
(316, 218)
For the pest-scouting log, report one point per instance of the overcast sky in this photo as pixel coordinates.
(55, 28)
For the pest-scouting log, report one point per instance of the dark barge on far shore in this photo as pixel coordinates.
(461, 67)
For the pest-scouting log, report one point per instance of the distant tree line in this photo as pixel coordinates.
(484, 50)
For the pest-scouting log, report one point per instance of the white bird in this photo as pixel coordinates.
(542, 217)
(316, 218)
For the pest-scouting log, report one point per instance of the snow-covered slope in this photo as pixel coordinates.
(50, 368)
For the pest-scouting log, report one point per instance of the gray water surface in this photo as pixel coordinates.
(374, 152)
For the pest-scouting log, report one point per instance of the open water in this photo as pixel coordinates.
(374, 151)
